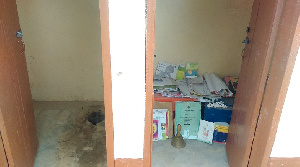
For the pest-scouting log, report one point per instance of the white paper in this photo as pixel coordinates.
(184, 88)
(198, 80)
(164, 82)
(201, 89)
(167, 70)
(216, 85)
(206, 131)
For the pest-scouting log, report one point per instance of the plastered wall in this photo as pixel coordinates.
(63, 49)
(209, 32)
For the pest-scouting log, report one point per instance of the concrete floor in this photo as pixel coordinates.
(67, 139)
(194, 154)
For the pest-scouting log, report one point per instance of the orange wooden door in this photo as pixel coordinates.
(3, 160)
(17, 123)
(253, 77)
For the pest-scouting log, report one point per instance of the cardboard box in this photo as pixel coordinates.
(166, 105)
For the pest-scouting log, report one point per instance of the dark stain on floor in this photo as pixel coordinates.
(84, 142)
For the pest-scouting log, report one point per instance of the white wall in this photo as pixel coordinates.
(287, 138)
(127, 47)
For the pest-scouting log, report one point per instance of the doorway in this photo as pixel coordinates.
(63, 51)
(207, 33)
(263, 27)
(63, 55)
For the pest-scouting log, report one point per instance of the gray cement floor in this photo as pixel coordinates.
(67, 139)
(194, 154)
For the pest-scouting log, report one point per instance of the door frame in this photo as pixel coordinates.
(150, 46)
(105, 42)
(106, 63)
(266, 128)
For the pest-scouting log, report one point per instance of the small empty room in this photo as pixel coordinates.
(60, 43)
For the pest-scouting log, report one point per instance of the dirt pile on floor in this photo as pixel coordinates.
(84, 143)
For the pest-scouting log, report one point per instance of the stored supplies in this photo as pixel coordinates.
(206, 131)
(220, 132)
(188, 115)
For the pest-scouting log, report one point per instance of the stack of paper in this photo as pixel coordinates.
(198, 80)
(192, 86)
(166, 87)
(216, 85)
(201, 89)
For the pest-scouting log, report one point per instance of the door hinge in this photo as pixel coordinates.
(246, 41)
(19, 34)
(248, 29)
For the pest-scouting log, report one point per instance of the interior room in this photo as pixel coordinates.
(69, 84)
(209, 33)
(63, 54)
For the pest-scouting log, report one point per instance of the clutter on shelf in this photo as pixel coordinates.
(201, 103)
(191, 70)
(172, 80)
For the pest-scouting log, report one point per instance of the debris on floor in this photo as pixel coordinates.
(84, 141)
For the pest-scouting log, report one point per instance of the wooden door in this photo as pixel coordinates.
(17, 123)
(3, 160)
(253, 77)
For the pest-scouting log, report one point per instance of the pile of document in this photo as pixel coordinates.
(166, 83)
(166, 87)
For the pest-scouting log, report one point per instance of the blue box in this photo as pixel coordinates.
(212, 114)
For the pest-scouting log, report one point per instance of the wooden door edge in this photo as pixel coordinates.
(150, 45)
(106, 64)
(4, 141)
(256, 19)
(3, 158)
(281, 161)
(277, 86)
(119, 162)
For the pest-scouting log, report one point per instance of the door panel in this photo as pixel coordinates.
(3, 160)
(17, 123)
(284, 56)
(253, 76)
